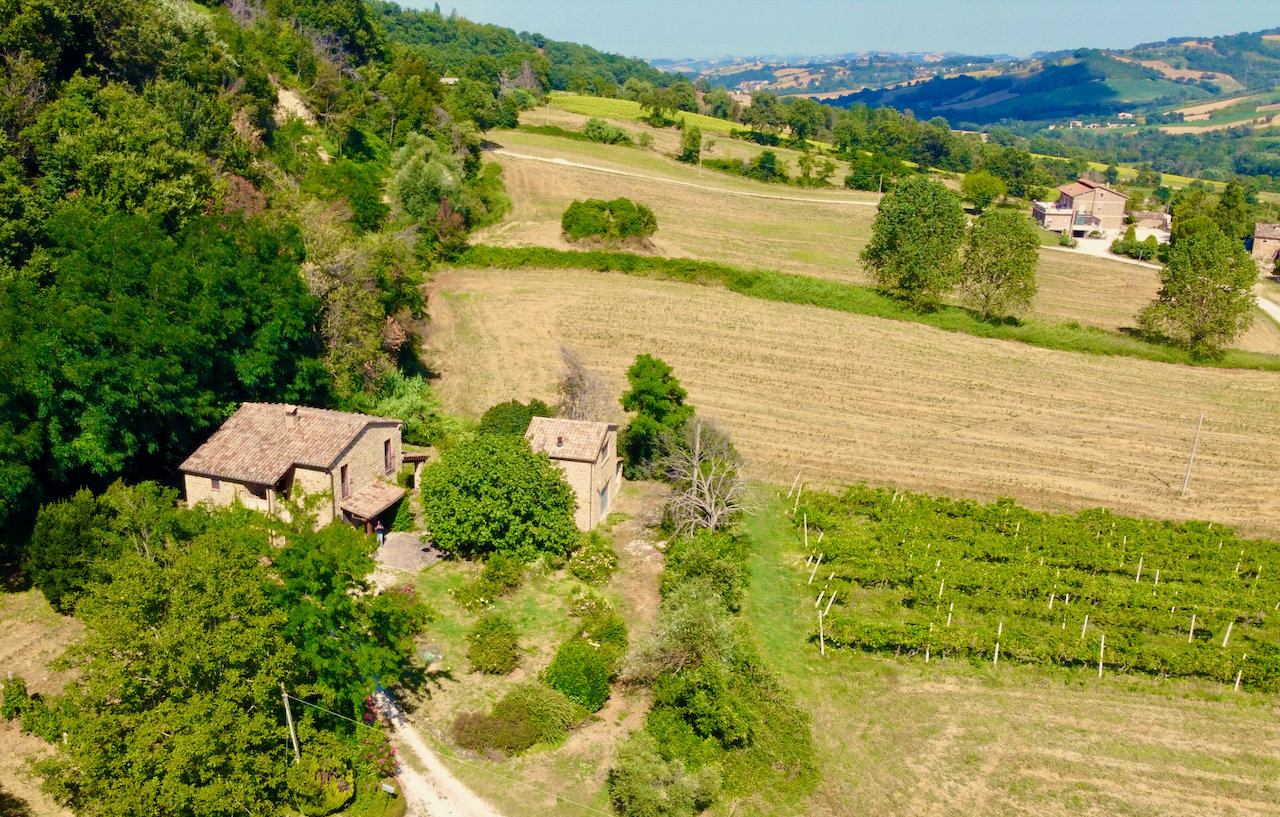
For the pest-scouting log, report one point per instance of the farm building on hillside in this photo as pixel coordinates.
(267, 452)
(1082, 207)
(587, 453)
(1266, 242)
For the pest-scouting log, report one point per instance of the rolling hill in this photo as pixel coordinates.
(1149, 78)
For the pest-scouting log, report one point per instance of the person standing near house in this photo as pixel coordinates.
(379, 530)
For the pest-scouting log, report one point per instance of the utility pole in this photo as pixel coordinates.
(288, 716)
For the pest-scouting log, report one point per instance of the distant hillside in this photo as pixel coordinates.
(1153, 77)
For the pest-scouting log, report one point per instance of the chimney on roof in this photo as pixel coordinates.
(559, 442)
(290, 417)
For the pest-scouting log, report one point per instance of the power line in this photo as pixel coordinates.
(452, 756)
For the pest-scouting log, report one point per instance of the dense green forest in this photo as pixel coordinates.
(194, 215)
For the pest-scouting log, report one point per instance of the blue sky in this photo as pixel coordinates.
(709, 28)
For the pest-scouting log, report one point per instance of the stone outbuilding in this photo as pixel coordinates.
(1266, 243)
(268, 452)
(587, 453)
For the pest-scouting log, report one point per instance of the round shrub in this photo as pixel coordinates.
(492, 646)
(610, 220)
(549, 710)
(580, 670)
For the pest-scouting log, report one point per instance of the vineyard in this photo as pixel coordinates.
(925, 576)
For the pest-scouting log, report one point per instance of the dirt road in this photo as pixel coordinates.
(437, 793)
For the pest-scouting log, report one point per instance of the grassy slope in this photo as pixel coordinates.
(895, 735)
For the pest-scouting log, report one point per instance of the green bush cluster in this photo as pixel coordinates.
(1148, 250)
(714, 560)
(403, 520)
(595, 561)
(320, 786)
(610, 220)
(598, 130)
(512, 417)
(492, 646)
(528, 714)
(501, 575)
(799, 289)
(719, 721)
(30, 710)
(585, 663)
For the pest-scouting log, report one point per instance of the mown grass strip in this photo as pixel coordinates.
(803, 289)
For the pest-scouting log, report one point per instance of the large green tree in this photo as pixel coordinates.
(914, 242)
(1000, 256)
(1206, 293)
(493, 493)
(658, 400)
(982, 188)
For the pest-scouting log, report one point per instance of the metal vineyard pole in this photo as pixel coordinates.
(1187, 479)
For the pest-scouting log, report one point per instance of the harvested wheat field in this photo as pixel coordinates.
(714, 217)
(843, 398)
(802, 232)
(1108, 294)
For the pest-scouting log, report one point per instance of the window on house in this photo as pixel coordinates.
(215, 484)
(386, 456)
(346, 484)
(604, 499)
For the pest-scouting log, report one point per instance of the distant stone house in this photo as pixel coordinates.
(268, 452)
(1082, 207)
(1266, 242)
(587, 453)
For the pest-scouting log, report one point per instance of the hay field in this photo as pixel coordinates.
(707, 221)
(845, 398)
(705, 217)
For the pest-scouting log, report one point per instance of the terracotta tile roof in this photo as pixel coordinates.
(262, 441)
(577, 440)
(1083, 186)
(372, 499)
(1265, 230)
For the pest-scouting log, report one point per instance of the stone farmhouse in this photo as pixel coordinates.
(1082, 207)
(268, 452)
(1266, 243)
(587, 453)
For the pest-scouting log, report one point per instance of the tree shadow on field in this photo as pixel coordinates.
(13, 806)
(418, 682)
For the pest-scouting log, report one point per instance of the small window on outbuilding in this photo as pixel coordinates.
(215, 484)
(346, 484)
(387, 462)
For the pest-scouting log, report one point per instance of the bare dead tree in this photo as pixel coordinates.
(707, 473)
(583, 395)
(244, 12)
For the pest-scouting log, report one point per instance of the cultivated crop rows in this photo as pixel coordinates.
(922, 575)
